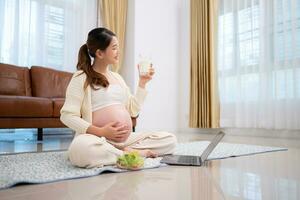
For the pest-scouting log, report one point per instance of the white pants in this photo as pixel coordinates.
(87, 150)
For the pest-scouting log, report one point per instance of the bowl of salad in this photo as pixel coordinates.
(130, 161)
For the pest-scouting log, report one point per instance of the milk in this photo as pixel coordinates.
(144, 66)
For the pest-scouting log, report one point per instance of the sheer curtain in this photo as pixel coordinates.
(259, 63)
(45, 32)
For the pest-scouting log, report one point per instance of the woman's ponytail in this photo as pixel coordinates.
(84, 60)
(85, 64)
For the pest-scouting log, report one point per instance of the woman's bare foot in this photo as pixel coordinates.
(143, 152)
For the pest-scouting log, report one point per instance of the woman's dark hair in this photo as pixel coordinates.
(98, 38)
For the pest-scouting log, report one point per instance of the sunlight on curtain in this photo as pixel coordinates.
(113, 16)
(45, 33)
(259, 63)
(204, 99)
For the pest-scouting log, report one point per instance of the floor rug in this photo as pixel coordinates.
(53, 166)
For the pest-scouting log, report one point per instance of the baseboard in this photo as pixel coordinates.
(286, 134)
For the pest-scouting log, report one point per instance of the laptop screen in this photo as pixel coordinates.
(212, 145)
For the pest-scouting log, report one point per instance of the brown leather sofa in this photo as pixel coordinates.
(31, 98)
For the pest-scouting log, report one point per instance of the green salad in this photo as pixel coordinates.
(131, 161)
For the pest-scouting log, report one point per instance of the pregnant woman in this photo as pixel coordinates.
(99, 107)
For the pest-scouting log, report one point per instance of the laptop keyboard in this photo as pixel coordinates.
(188, 159)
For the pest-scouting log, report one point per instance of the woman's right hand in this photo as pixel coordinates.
(115, 132)
(147, 153)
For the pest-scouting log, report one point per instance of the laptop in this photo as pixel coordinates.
(194, 160)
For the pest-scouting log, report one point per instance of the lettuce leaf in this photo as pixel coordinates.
(130, 160)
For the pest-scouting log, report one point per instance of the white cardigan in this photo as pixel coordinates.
(76, 112)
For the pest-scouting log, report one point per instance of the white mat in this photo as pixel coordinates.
(53, 166)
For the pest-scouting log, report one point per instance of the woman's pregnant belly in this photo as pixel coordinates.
(113, 113)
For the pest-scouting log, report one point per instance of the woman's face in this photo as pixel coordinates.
(111, 53)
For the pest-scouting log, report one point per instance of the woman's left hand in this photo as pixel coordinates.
(146, 78)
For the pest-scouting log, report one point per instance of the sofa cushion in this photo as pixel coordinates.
(14, 80)
(49, 82)
(22, 106)
(57, 105)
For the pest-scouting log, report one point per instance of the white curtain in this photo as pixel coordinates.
(259, 63)
(45, 32)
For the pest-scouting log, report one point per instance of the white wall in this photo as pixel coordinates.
(184, 66)
(128, 71)
(160, 29)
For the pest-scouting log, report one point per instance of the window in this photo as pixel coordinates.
(45, 33)
(243, 51)
(54, 26)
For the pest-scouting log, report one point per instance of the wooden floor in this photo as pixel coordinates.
(263, 176)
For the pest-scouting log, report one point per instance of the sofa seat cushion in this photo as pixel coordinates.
(23, 106)
(57, 105)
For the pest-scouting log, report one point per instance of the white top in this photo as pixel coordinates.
(76, 112)
(103, 97)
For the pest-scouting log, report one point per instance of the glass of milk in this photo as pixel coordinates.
(144, 65)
